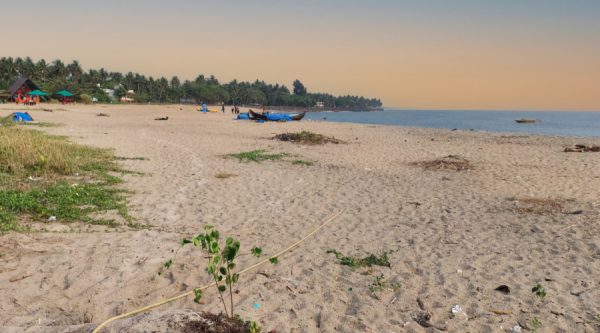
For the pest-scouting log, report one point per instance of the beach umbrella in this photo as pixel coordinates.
(37, 93)
(65, 93)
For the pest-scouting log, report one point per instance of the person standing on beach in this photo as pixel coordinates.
(223, 107)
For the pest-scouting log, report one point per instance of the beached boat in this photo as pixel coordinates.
(256, 116)
(298, 116)
(276, 116)
(525, 121)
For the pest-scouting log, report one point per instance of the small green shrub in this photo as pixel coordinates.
(539, 290)
(380, 284)
(302, 162)
(370, 260)
(258, 156)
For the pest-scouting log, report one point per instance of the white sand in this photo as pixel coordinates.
(461, 241)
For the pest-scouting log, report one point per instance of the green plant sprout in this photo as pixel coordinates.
(539, 290)
(368, 261)
(535, 324)
(380, 284)
(221, 267)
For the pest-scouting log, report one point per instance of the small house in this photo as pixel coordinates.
(20, 88)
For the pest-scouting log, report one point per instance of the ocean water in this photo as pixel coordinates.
(549, 123)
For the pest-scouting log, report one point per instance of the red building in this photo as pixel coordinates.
(18, 90)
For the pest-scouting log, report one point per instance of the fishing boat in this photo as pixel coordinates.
(526, 121)
(276, 116)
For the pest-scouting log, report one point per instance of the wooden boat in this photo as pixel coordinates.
(526, 121)
(256, 116)
(298, 116)
(275, 116)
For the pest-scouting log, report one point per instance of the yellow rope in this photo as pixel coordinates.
(189, 293)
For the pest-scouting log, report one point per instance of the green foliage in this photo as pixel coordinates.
(55, 76)
(380, 284)
(302, 162)
(257, 156)
(34, 169)
(220, 265)
(197, 295)
(256, 251)
(539, 290)
(274, 260)
(85, 98)
(368, 261)
(66, 202)
(299, 88)
(535, 324)
(254, 327)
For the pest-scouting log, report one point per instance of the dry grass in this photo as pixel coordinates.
(25, 153)
(447, 163)
(37, 171)
(306, 138)
(539, 206)
(225, 175)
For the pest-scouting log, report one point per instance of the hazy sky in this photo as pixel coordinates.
(459, 54)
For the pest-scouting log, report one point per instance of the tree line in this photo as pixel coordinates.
(57, 75)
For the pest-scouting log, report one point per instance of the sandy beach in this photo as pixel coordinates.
(454, 236)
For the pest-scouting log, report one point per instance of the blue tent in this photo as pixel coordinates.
(21, 117)
(204, 108)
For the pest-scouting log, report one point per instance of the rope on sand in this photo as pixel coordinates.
(191, 292)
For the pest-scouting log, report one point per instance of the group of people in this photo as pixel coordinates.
(234, 110)
(28, 100)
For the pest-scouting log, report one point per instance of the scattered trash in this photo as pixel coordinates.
(76, 174)
(256, 306)
(102, 114)
(516, 329)
(52, 218)
(457, 310)
(503, 289)
(162, 118)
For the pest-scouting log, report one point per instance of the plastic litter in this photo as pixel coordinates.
(256, 306)
(457, 310)
(52, 218)
(516, 329)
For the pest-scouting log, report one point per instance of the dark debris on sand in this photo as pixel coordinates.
(307, 138)
(213, 323)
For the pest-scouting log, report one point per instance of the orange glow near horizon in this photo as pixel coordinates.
(464, 55)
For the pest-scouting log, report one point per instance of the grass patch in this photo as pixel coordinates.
(370, 260)
(258, 156)
(302, 162)
(40, 124)
(447, 163)
(307, 138)
(225, 175)
(380, 284)
(37, 172)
